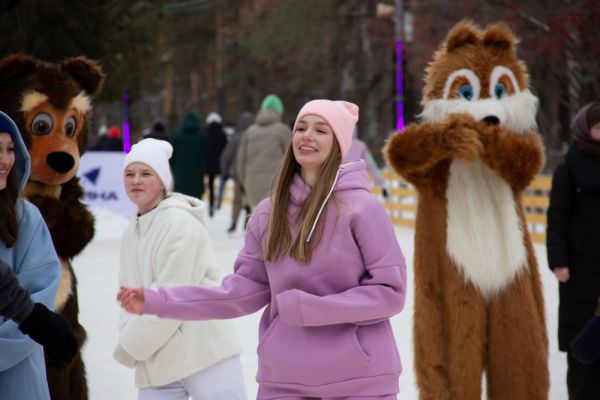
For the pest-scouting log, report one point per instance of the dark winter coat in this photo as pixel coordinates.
(216, 143)
(573, 239)
(189, 157)
(158, 131)
(105, 143)
(229, 156)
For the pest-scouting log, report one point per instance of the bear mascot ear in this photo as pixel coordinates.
(463, 33)
(14, 67)
(86, 72)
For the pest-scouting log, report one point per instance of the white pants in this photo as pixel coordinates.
(222, 381)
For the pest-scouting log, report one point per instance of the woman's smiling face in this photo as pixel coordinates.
(312, 142)
(7, 157)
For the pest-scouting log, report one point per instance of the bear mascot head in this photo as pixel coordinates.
(50, 104)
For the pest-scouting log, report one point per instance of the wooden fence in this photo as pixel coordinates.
(402, 202)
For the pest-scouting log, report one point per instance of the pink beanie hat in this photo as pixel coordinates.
(340, 115)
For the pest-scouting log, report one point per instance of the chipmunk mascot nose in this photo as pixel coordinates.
(478, 299)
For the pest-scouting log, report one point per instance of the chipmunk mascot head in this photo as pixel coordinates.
(478, 300)
(50, 104)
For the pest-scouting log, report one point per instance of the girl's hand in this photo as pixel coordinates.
(131, 299)
(562, 274)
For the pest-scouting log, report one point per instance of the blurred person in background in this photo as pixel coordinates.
(360, 151)
(215, 145)
(167, 244)
(111, 142)
(189, 156)
(102, 130)
(158, 130)
(261, 150)
(224, 173)
(573, 244)
(229, 167)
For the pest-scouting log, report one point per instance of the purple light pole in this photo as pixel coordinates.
(399, 88)
(126, 130)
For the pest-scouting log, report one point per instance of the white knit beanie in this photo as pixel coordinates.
(154, 153)
(214, 117)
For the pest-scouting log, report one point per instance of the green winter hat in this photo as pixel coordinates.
(273, 102)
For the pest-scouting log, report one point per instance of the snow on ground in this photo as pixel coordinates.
(97, 273)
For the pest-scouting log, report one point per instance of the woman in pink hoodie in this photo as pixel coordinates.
(322, 255)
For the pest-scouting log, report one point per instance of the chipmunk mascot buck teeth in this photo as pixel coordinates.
(478, 299)
(50, 104)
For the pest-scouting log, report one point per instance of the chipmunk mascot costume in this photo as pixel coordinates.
(50, 104)
(478, 299)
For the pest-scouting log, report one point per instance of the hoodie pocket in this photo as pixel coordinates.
(310, 355)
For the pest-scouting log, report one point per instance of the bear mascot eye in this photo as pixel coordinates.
(70, 126)
(42, 124)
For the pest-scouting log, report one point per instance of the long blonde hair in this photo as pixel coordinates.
(279, 240)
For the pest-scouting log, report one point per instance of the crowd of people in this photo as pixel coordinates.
(208, 154)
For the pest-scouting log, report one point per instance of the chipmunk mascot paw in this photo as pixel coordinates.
(478, 299)
(50, 104)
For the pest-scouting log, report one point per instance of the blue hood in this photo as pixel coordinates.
(22, 162)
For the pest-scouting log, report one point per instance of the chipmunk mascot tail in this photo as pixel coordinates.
(478, 298)
(50, 104)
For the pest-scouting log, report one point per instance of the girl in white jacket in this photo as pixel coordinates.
(167, 244)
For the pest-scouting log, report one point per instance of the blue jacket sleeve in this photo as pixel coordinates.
(36, 265)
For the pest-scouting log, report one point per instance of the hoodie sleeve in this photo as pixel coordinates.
(38, 270)
(243, 292)
(382, 290)
(559, 215)
(182, 249)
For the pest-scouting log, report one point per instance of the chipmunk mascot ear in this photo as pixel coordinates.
(50, 104)
(478, 298)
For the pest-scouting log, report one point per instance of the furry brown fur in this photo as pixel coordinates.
(478, 299)
(50, 104)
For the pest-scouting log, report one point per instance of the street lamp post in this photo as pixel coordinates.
(398, 37)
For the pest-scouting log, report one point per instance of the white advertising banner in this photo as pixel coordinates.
(101, 175)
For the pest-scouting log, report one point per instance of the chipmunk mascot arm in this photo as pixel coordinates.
(50, 104)
(478, 299)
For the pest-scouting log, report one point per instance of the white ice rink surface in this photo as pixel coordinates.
(97, 271)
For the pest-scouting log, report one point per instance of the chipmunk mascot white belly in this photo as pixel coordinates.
(478, 298)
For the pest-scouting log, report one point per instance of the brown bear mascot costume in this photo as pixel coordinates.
(50, 104)
(478, 299)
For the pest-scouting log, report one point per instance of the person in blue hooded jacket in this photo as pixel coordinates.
(26, 246)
